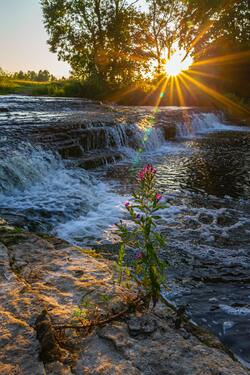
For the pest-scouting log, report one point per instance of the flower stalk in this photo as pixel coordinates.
(143, 237)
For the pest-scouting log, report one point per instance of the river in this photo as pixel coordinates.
(203, 171)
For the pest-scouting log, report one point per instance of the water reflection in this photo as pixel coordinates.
(218, 167)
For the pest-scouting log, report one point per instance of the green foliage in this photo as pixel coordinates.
(30, 75)
(104, 41)
(147, 268)
(217, 23)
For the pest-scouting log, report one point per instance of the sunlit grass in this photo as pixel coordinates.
(54, 88)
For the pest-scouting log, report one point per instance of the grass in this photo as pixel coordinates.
(55, 88)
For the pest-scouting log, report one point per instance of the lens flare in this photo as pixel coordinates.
(178, 62)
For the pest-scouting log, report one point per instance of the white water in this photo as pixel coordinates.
(36, 182)
(79, 206)
(235, 310)
(202, 123)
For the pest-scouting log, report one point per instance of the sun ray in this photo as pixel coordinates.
(225, 59)
(171, 90)
(186, 86)
(162, 93)
(179, 92)
(203, 74)
(219, 97)
(153, 90)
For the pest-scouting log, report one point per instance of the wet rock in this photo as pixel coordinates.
(170, 131)
(94, 160)
(4, 109)
(191, 223)
(226, 220)
(186, 335)
(205, 218)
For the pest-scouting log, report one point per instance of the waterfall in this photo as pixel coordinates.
(25, 166)
(69, 201)
(120, 136)
(199, 123)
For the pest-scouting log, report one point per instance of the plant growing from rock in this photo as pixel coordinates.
(143, 236)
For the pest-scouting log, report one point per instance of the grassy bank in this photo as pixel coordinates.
(54, 88)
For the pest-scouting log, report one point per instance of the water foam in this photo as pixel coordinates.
(202, 123)
(72, 200)
(235, 310)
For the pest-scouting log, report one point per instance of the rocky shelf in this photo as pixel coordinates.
(44, 280)
(74, 127)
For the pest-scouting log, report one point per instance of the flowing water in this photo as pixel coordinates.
(203, 173)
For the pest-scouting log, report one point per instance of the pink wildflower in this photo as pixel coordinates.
(126, 204)
(141, 175)
(158, 197)
(147, 170)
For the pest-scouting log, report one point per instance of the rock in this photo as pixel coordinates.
(50, 351)
(94, 160)
(226, 220)
(170, 131)
(142, 325)
(4, 109)
(42, 284)
(18, 344)
(186, 335)
(205, 218)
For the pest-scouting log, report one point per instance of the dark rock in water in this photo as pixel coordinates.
(4, 109)
(226, 220)
(94, 160)
(74, 151)
(170, 131)
(205, 218)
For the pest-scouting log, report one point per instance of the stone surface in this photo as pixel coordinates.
(44, 280)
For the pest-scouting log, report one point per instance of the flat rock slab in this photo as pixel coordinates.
(44, 280)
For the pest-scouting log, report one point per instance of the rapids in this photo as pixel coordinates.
(67, 166)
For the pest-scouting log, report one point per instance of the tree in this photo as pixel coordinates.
(103, 40)
(211, 23)
(43, 76)
(20, 75)
(3, 75)
(164, 19)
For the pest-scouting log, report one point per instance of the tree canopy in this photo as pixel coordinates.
(116, 43)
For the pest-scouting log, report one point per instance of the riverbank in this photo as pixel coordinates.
(44, 280)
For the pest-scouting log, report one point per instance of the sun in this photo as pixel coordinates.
(178, 63)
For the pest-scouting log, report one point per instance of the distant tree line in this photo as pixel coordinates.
(30, 75)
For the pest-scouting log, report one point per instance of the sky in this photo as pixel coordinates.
(23, 39)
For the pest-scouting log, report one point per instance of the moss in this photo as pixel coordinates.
(89, 252)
